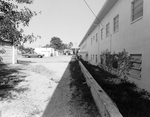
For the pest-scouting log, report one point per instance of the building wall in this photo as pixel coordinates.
(92, 44)
(132, 36)
(46, 51)
(84, 51)
(6, 54)
(84, 47)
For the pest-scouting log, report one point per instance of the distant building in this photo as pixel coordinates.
(121, 24)
(68, 52)
(46, 51)
(75, 48)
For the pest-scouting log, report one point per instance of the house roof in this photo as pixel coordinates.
(103, 12)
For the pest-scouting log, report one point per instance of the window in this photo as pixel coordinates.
(101, 60)
(137, 9)
(93, 38)
(116, 23)
(102, 35)
(107, 29)
(91, 41)
(96, 37)
(136, 63)
(96, 58)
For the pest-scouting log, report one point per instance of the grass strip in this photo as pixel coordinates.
(131, 100)
(81, 96)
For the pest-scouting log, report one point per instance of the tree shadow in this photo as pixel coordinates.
(24, 62)
(54, 101)
(71, 96)
(9, 80)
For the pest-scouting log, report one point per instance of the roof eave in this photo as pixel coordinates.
(103, 12)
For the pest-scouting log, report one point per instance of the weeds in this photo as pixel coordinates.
(81, 97)
(131, 101)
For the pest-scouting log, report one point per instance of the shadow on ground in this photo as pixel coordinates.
(81, 97)
(24, 62)
(9, 79)
(72, 97)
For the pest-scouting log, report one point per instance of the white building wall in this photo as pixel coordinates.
(93, 47)
(132, 36)
(84, 51)
(46, 51)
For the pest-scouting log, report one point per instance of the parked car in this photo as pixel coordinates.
(28, 55)
(68, 52)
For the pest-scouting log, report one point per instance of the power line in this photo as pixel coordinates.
(99, 23)
(91, 10)
(95, 15)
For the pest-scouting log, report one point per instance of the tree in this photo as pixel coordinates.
(28, 50)
(12, 19)
(56, 43)
(70, 45)
(25, 1)
(65, 46)
(62, 47)
(46, 46)
(21, 47)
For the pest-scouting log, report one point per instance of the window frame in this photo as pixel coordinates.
(96, 37)
(107, 29)
(102, 33)
(96, 58)
(133, 19)
(116, 23)
(93, 38)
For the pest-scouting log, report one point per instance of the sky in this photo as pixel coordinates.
(67, 19)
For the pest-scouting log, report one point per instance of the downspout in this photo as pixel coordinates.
(98, 43)
(13, 53)
(110, 43)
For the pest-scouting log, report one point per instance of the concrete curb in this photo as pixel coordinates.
(105, 105)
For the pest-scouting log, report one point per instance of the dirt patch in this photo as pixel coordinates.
(45, 90)
(25, 90)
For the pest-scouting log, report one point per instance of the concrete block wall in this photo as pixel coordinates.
(105, 105)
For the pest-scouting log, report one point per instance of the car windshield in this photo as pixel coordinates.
(35, 53)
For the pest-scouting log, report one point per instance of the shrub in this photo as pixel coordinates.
(118, 62)
(130, 100)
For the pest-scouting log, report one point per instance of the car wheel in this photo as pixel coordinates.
(40, 56)
(28, 56)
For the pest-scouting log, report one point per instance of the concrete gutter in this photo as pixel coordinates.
(105, 105)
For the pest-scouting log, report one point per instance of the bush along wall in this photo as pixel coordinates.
(130, 100)
(117, 64)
